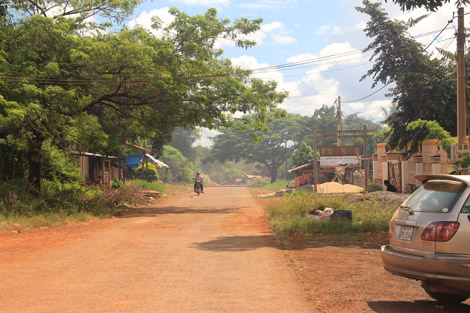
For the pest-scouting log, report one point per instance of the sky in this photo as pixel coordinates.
(326, 35)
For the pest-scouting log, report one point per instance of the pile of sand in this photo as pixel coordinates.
(334, 187)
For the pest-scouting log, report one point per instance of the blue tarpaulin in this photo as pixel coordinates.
(132, 160)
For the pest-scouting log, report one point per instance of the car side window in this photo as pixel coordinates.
(466, 206)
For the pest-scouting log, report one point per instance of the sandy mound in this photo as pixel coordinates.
(334, 187)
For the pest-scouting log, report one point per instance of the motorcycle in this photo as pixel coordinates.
(198, 188)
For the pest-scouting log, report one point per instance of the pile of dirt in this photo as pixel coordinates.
(334, 187)
(150, 195)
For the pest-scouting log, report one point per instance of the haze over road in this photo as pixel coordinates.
(207, 253)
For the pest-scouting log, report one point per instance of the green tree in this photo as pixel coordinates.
(302, 155)
(424, 86)
(326, 119)
(431, 130)
(34, 106)
(115, 10)
(59, 85)
(183, 140)
(431, 5)
(181, 169)
(271, 148)
(227, 171)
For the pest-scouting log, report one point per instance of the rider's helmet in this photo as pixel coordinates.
(197, 173)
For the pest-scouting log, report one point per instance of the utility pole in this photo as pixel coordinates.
(461, 101)
(315, 164)
(366, 160)
(339, 142)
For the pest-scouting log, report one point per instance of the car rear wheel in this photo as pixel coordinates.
(444, 297)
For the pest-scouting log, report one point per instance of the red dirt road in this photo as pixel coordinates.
(208, 253)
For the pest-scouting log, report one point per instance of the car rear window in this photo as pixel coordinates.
(438, 196)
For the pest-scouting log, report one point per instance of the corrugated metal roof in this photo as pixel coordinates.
(94, 154)
(301, 167)
(158, 162)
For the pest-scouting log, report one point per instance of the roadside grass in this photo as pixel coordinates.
(289, 216)
(267, 185)
(27, 223)
(156, 186)
(20, 211)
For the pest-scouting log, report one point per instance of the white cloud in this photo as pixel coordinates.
(275, 31)
(373, 111)
(305, 96)
(310, 93)
(356, 106)
(145, 19)
(272, 26)
(301, 57)
(339, 53)
(206, 136)
(263, 4)
(322, 30)
(361, 26)
(284, 40)
(251, 63)
(435, 22)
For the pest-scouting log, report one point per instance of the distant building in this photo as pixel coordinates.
(99, 169)
(132, 161)
(401, 170)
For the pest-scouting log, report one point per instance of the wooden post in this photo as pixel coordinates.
(315, 169)
(461, 101)
(146, 168)
(366, 161)
(340, 127)
(166, 176)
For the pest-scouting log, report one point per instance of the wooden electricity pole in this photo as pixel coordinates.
(339, 142)
(315, 164)
(461, 101)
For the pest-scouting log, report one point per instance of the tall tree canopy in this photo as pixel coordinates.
(273, 148)
(431, 5)
(424, 86)
(96, 91)
(116, 10)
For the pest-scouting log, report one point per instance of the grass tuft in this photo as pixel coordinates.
(289, 215)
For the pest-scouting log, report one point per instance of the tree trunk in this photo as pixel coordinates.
(34, 165)
(274, 174)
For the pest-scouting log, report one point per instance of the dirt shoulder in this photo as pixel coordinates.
(346, 274)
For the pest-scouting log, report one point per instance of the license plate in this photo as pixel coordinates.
(406, 233)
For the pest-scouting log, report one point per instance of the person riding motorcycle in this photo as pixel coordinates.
(198, 180)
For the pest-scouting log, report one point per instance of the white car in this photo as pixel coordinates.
(430, 237)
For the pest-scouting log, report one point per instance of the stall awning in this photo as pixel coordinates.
(132, 160)
(158, 163)
(309, 164)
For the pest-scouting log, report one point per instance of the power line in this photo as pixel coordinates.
(370, 95)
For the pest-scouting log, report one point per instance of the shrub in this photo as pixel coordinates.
(117, 184)
(289, 215)
(160, 187)
(372, 187)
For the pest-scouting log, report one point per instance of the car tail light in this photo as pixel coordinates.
(440, 231)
